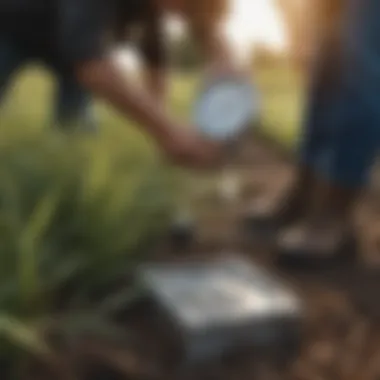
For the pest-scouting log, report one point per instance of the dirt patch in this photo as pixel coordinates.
(341, 337)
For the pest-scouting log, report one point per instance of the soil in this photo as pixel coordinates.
(341, 336)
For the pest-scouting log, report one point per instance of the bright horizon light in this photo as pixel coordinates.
(255, 22)
(252, 22)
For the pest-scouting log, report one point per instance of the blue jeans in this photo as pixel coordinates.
(73, 105)
(342, 127)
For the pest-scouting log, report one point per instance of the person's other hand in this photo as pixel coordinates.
(186, 148)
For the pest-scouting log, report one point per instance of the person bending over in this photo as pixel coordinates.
(340, 136)
(75, 37)
(73, 105)
(205, 21)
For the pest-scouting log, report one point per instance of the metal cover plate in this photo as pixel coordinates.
(226, 292)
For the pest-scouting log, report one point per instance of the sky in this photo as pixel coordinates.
(251, 22)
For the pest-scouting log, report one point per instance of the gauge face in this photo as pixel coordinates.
(225, 109)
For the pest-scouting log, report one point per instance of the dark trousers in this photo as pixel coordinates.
(341, 134)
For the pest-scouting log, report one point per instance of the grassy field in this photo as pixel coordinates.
(29, 105)
(28, 108)
(76, 213)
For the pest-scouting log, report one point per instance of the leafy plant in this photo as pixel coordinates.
(72, 216)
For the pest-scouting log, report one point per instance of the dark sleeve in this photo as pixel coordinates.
(81, 29)
(153, 44)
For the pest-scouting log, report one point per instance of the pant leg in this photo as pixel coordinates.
(325, 81)
(342, 129)
(324, 86)
(73, 104)
(358, 131)
(355, 149)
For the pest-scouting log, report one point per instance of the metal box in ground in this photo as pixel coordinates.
(222, 305)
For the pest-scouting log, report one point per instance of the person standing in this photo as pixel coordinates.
(340, 136)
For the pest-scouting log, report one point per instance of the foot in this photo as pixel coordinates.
(265, 219)
(312, 243)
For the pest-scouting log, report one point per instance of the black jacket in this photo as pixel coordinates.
(71, 31)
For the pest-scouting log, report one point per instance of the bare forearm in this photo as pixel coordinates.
(106, 80)
(213, 44)
(208, 30)
(156, 83)
(214, 48)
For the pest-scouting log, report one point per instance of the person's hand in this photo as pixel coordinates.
(186, 148)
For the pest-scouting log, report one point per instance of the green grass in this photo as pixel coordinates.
(81, 208)
(282, 93)
(29, 106)
(100, 190)
(30, 103)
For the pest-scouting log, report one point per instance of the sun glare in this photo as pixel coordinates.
(255, 22)
(251, 22)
